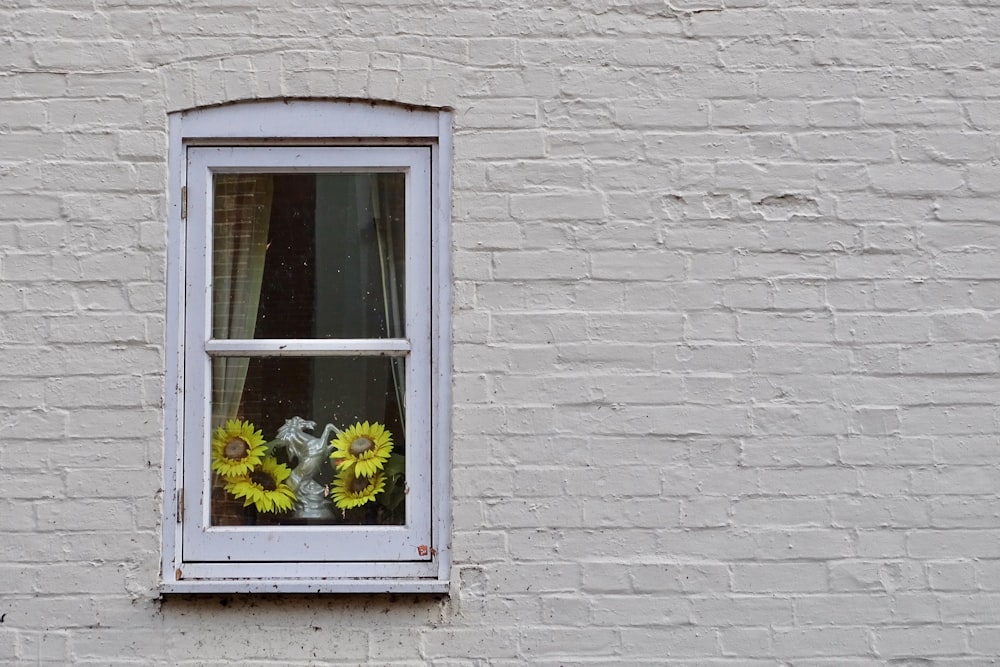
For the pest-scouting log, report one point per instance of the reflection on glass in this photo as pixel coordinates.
(308, 255)
(307, 440)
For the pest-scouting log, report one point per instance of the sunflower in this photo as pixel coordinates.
(349, 490)
(264, 487)
(236, 448)
(364, 447)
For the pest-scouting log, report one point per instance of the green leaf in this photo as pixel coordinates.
(396, 465)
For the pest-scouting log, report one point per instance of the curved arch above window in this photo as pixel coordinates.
(308, 348)
(310, 118)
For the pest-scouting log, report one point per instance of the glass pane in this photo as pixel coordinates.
(308, 440)
(308, 255)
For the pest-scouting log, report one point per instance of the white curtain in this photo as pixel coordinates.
(242, 214)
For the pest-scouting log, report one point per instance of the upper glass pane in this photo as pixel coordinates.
(308, 255)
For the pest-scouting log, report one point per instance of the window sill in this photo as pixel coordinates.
(363, 586)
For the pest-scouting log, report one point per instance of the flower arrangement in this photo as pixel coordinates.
(359, 453)
(361, 456)
(238, 456)
(236, 448)
(350, 491)
(264, 487)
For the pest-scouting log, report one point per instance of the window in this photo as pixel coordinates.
(307, 350)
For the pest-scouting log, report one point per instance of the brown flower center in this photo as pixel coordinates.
(263, 480)
(236, 449)
(359, 484)
(361, 445)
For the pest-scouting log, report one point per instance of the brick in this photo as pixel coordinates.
(915, 607)
(984, 179)
(962, 449)
(835, 114)
(742, 610)
(911, 112)
(870, 608)
(821, 641)
(44, 646)
(881, 543)
(508, 144)
(915, 179)
(897, 642)
(955, 543)
(789, 295)
(746, 641)
(62, 612)
(972, 609)
(569, 641)
(608, 542)
(854, 575)
(662, 113)
(781, 512)
(104, 515)
(637, 512)
(778, 327)
(975, 209)
(727, 113)
(783, 266)
(537, 328)
(956, 147)
(985, 640)
(709, 543)
(525, 265)
(684, 641)
(889, 512)
(557, 206)
(947, 420)
(100, 329)
(785, 54)
(779, 577)
(808, 481)
(513, 175)
(802, 544)
(954, 480)
(689, 578)
(705, 513)
(952, 576)
(966, 265)
(949, 358)
(807, 420)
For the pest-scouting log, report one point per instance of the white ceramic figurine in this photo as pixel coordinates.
(310, 453)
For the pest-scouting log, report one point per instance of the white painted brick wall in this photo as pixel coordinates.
(727, 295)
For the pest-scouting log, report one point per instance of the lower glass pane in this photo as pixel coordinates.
(308, 441)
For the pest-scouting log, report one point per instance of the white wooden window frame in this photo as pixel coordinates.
(311, 136)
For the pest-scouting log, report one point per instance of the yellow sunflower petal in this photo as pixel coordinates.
(350, 490)
(364, 446)
(263, 487)
(237, 448)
